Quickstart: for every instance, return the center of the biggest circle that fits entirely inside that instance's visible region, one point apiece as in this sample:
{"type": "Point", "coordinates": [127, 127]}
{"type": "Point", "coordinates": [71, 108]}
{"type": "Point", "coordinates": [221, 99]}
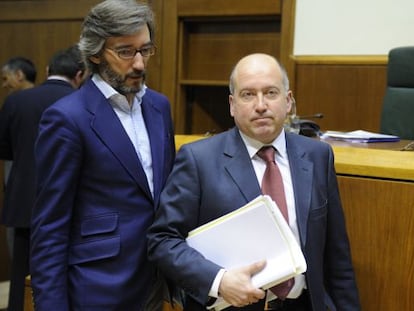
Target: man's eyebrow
{"type": "Point", "coordinates": [130, 45]}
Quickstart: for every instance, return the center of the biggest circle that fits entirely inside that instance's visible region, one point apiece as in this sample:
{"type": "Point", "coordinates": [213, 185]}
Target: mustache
{"type": "Point", "coordinates": [136, 74]}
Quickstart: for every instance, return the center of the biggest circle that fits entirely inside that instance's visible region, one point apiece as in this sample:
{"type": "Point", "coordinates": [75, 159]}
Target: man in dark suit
{"type": "Point", "coordinates": [103, 155]}
{"type": "Point", "coordinates": [18, 73]}
{"type": "Point", "coordinates": [19, 122]}
{"type": "Point", "coordinates": [217, 175]}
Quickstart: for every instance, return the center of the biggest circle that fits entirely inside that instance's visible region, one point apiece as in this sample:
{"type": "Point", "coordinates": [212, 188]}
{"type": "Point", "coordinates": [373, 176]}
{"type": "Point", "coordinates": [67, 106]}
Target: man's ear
{"type": "Point", "coordinates": [20, 76]}
{"type": "Point", "coordinates": [231, 105]}
{"type": "Point", "coordinates": [289, 100]}
{"type": "Point", "coordinates": [79, 79]}
{"type": "Point", "coordinates": [95, 59]}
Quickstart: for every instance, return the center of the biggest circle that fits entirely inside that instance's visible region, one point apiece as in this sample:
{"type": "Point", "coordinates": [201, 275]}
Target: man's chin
{"type": "Point", "coordinates": [265, 134]}
{"type": "Point", "coordinates": [135, 83]}
{"type": "Point", "coordinates": [130, 89]}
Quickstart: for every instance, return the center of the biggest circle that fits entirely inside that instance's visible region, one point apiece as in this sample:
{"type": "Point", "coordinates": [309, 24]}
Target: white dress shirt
{"type": "Point", "coordinates": [133, 122]}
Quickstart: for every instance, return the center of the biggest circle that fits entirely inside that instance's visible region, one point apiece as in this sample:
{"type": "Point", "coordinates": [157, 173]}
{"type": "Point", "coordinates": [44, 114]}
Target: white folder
{"type": "Point", "coordinates": [254, 232]}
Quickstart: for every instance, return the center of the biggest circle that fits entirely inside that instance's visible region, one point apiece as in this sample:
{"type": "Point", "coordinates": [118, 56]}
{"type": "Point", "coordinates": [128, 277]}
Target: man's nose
{"type": "Point", "coordinates": [138, 62]}
{"type": "Point", "coordinates": [260, 101]}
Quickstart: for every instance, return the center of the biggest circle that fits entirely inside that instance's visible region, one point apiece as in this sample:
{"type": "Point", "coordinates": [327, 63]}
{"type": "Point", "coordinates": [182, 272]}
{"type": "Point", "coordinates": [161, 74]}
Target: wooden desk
{"type": "Point", "coordinates": [376, 182]}
{"type": "Point", "coordinates": [380, 160]}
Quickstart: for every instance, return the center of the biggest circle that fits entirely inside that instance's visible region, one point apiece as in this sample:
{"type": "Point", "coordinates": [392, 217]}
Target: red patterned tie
{"type": "Point", "coordinates": [272, 185]}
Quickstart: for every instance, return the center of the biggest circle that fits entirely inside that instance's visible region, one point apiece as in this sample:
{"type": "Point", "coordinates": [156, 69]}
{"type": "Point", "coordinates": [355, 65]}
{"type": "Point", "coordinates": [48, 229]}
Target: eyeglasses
{"type": "Point", "coordinates": [129, 53]}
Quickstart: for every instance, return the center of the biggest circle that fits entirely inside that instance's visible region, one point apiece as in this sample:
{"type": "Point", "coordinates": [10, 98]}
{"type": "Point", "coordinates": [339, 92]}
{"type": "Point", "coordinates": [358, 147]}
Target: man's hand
{"type": "Point", "coordinates": [236, 286]}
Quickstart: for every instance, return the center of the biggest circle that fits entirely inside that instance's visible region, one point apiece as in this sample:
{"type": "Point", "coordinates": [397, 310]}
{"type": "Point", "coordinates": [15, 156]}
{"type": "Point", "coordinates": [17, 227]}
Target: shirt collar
{"type": "Point", "coordinates": [58, 77]}
{"type": "Point", "coordinates": [254, 145]}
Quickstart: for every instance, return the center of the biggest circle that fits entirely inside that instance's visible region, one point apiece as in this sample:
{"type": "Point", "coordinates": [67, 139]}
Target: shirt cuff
{"type": "Point", "coordinates": [215, 287]}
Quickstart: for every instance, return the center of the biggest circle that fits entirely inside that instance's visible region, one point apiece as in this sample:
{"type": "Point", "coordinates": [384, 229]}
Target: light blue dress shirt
{"type": "Point", "coordinates": [133, 123]}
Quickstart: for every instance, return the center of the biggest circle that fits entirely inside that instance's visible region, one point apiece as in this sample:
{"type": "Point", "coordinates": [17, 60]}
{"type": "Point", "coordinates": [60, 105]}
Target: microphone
{"type": "Point", "coordinates": [312, 116]}
{"type": "Point", "coordinates": [308, 127]}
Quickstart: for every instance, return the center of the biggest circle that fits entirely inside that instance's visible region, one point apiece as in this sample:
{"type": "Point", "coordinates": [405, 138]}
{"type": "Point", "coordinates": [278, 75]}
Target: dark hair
{"type": "Point", "coordinates": [25, 65]}
{"type": "Point", "coordinates": [66, 63]}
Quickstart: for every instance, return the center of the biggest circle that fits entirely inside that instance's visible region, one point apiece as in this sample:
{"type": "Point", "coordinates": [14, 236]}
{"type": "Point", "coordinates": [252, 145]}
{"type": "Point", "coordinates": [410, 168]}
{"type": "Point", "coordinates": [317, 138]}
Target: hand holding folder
{"type": "Point", "coordinates": [249, 234]}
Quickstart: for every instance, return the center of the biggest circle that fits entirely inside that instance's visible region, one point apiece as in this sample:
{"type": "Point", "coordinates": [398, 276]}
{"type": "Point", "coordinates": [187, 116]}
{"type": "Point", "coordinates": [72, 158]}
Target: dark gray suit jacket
{"type": "Point", "coordinates": [19, 123]}
{"type": "Point", "coordinates": [215, 176]}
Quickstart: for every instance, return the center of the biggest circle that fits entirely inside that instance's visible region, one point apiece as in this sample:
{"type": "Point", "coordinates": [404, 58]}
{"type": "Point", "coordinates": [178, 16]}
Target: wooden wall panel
{"type": "Point", "coordinates": [228, 7]}
{"type": "Point", "coordinates": [380, 223]}
{"type": "Point", "coordinates": [37, 29]}
{"type": "Point", "coordinates": [212, 37]}
{"type": "Point", "coordinates": [212, 56]}
{"type": "Point", "coordinates": [348, 94]}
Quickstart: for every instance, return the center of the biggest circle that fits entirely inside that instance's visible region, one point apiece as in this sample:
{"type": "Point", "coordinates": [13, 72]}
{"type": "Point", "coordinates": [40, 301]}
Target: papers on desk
{"type": "Point", "coordinates": [360, 136]}
{"type": "Point", "coordinates": [254, 232]}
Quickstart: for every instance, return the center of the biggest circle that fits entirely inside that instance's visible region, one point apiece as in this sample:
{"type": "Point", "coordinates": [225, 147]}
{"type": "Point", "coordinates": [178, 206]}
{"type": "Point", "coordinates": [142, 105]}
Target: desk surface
{"type": "Point", "coordinates": [377, 160]}
{"type": "Point", "coordinates": [380, 160]}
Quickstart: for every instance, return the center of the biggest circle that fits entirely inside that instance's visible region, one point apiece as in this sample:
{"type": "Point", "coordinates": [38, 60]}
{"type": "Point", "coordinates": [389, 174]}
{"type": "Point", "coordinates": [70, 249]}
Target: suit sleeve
{"type": "Point", "coordinates": [58, 158]}
{"type": "Point", "coordinates": [177, 215]}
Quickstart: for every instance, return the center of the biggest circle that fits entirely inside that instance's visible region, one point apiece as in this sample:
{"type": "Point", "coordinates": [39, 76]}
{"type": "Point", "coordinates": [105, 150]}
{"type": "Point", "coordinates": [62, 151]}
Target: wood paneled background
{"type": "Point", "coordinates": [198, 45]}
{"type": "Point", "coordinates": [348, 90]}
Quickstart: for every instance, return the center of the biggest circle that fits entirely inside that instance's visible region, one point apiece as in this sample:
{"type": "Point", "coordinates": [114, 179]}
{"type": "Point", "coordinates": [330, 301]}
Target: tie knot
{"type": "Point", "coordinates": [267, 153]}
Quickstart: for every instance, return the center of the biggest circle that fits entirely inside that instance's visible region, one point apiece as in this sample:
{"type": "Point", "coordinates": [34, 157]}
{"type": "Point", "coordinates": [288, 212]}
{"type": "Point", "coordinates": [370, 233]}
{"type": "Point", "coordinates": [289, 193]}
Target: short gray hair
{"type": "Point", "coordinates": [112, 18]}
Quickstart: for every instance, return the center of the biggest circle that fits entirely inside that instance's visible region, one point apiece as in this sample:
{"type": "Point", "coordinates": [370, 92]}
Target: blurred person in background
{"type": "Point", "coordinates": [19, 122]}
{"type": "Point", "coordinates": [18, 73]}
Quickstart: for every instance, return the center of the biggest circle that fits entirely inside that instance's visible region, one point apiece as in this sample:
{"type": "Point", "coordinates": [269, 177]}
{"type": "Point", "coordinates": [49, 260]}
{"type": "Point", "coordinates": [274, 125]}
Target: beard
{"type": "Point", "coordinates": [118, 82]}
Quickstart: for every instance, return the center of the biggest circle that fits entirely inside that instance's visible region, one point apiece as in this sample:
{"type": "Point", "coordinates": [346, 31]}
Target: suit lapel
{"type": "Point", "coordinates": [155, 128]}
{"type": "Point", "coordinates": [302, 177]}
{"type": "Point", "coordinates": [109, 129]}
{"type": "Point", "coordinates": [240, 167]}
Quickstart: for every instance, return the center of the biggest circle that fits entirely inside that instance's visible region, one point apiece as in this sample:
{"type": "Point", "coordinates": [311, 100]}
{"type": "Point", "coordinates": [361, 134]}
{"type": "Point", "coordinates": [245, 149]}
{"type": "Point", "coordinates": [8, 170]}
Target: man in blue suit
{"type": "Point", "coordinates": [103, 155]}
{"type": "Point", "coordinates": [217, 175]}
{"type": "Point", "coordinates": [19, 122]}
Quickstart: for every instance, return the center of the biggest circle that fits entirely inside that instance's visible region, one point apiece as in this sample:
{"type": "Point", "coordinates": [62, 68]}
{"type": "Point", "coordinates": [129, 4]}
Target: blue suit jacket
{"type": "Point", "coordinates": [215, 176]}
{"type": "Point", "coordinates": [93, 207]}
{"type": "Point", "coordinates": [19, 123]}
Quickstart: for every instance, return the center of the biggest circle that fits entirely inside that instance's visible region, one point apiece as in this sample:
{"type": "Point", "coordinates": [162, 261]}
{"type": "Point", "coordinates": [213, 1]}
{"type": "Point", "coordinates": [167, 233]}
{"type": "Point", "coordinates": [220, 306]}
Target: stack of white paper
{"type": "Point", "coordinates": [360, 136]}
{"type": "Point", "coordinates": [251, 233]}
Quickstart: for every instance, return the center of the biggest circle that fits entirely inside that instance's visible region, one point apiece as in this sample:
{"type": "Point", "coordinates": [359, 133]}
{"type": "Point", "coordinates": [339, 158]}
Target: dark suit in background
{"type": "Point", "coordinates": [18, 73]}
{"type": "Point", "coordinates": [19, 123]}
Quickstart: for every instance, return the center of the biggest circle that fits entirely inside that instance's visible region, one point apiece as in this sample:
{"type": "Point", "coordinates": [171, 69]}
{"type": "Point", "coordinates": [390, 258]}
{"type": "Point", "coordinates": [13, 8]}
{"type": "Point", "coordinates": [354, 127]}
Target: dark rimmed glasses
{"type": "Point", "coordinates": [129, 53]}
